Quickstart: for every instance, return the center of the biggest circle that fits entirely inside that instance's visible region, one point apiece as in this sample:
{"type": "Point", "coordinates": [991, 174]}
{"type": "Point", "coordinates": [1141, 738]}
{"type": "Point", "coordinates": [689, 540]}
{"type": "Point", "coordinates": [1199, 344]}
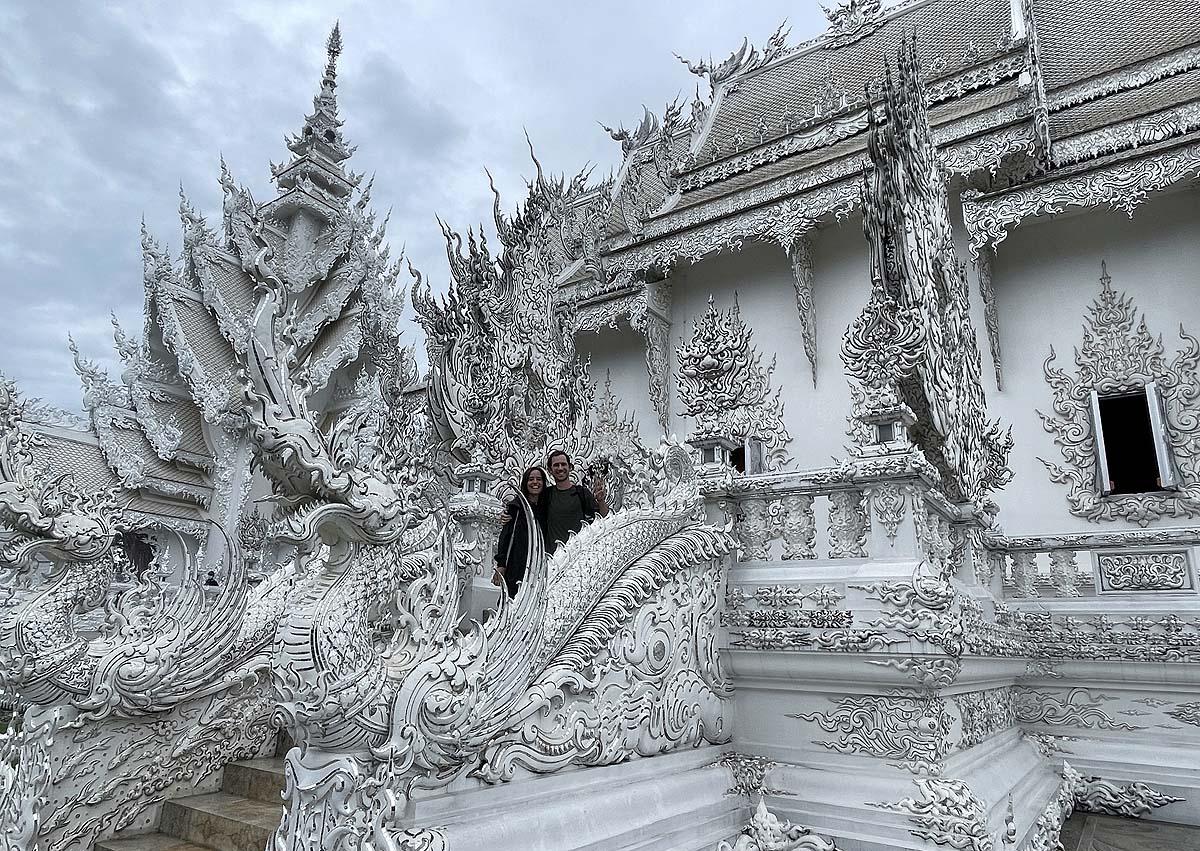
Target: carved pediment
{"type": "Point", "coordinates": [1119, 354]}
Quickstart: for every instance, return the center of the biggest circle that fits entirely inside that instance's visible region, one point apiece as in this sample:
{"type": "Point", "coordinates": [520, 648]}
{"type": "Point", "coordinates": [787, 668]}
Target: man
{"type": "Point", "coordinates": [569, 505]}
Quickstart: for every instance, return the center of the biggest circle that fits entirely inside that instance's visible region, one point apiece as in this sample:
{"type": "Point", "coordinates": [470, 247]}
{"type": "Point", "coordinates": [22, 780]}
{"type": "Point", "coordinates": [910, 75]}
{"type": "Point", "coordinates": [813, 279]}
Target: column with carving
{"type": "Point", "coordinates": [991, 317]}
{"type": "Point", "coordinates": [657, 332]}
{"type": "Point", "coordinates": [478, 514]}
{"type": "Point", "coordinates": [800, 256]}
{"type": "Point", "coordinates": [1025, 574]}
{"type": "Point", "coordinates": [1063, 573]}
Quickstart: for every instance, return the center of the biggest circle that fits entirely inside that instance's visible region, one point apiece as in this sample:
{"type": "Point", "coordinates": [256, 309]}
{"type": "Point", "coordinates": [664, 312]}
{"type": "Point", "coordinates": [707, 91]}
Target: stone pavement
{"type": "Point", "coordinates": [1086, 832]}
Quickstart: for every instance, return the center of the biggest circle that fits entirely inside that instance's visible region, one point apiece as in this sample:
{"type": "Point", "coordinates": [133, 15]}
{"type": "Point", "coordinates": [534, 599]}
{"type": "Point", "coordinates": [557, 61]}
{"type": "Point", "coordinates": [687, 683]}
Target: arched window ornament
{"type": "Point", "coordinates": [1127, 421]}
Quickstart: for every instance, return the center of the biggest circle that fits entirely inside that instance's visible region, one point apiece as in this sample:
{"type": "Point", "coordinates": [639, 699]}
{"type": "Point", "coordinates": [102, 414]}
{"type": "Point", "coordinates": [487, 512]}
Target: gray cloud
{"type": "Point", "coordinates": [110, 107]}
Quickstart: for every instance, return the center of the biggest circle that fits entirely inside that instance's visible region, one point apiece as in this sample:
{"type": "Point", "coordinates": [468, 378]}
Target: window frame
{"type": "Point", "coordinates": [1167, 480]}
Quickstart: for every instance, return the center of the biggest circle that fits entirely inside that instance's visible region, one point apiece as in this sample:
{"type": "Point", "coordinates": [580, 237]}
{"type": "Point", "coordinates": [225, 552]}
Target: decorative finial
{"type": "Point", "coordinates": [1105, 279]}
{"type": "Point", "coordinates": [333, 49]}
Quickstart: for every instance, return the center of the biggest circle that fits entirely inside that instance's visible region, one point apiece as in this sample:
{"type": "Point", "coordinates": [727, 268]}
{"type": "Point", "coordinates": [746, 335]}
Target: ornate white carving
{"type": "Point", "coordinates": [1064, 573]}
{"type": "Point", "coordinates": [932, 674]}
{"type": "Point", "coordinates": [913, 732]}
{"type": "Point", "coordinates": [1121, 186]}
{"type": "Point", "coordinates": [723, 385]}
{"type": "Point", "coordinates": [797, 526]}
{"type": "Point", "coordinates": [1078, 707]}
{"type": "Point", "coordinates": [984, 713]}
{"type": "Point", "coordinates": [1134, 133]}
{"type": "Point", "coordinates": [1123, 79]}
{"type": "Point", "coordinates": [888, 507]}
{"type": "Point", "coordinates": [1133, 800]}
{"type": "Point", "coordinates": [1144, 571]}
{"type": "Point", "coordinates": [915, 340]}
{"type": "Point", "coordinates": [1119, 354]}
{"type": "Point", "coordinates": [1188, 713]}
{"type": "Point", "coordinates": [851, 21]}
{"type": "Point", "coordinates": [749, 774]}
{"type": "Point", "coordinates": [946, 813]}
{"type": "Point", "coordinates": [499, 378]}
{"type": "Point", "coordinates": [765, 832]}
{"type": "Point", "coordinates": [800, 255]}
{"type": "Point", "coordinates": [991, 315]}
{"type": "Point", "coordinates": [848, 524]}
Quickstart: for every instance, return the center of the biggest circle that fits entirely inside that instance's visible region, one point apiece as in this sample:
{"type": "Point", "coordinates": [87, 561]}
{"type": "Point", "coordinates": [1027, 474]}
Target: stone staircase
{"type": "Point", "coordinates": [241, 817]}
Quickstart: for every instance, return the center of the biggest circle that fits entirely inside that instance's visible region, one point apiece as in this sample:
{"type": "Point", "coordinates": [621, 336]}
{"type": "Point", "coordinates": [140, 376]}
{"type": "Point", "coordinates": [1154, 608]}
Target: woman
{"type": "Point", "coordinates": [512, 547]}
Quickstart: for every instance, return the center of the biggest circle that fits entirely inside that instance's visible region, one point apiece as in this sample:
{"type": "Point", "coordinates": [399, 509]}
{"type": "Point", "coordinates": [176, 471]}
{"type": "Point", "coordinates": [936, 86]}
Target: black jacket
{"type": "Point", "coordinates": [512, 547]}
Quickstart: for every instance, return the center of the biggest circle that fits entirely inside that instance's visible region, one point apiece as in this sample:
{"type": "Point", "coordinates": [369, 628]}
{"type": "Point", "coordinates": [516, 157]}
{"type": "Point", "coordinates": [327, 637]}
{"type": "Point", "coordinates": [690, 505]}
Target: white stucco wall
{"type": "Point", "coordinates": [762, 278]}
{"type": "Point", "coordinates": [621, 353]}
{"type": "Point", "coordinates": [1046, 274]}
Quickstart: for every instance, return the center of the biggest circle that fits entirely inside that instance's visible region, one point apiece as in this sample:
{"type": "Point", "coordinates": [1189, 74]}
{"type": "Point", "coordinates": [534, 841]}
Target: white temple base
{"type": "Point", "coordinates": [675, 802]}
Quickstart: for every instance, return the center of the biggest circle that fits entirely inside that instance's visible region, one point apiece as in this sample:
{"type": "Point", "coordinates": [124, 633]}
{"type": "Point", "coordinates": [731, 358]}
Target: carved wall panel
{"type": "Point", "coordinates": [1121, 186]}
{"type": "Point", "coordinates": [724, 386]}
{"type": "Point", "coordinates": [1119, 354]}
{"type": "Point", "coordinates": [1145, 571]}
{"type": "Point", "coordinates": [800, 255]}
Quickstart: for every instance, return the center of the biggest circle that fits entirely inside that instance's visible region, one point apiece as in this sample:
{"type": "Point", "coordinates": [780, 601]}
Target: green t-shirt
{"type": "Point", "coordinates": [564, 515]}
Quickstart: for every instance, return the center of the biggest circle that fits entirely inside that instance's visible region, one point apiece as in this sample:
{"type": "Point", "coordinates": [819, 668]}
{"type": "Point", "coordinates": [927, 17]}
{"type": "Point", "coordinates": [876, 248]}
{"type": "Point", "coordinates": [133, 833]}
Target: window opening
{"type": "Point", "coordinates": [1133, 454]}
{"type": "Point", "coordinates": [738, 459]}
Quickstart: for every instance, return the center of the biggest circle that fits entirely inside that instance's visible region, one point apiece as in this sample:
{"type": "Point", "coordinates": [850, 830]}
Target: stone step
{"type": "Point", "coordinates": [149, 842]}
{"type": "Point", "coordinates": [698, 831]}
{"type": "Point", "coordinates": [256, 779]}
{"type": "Point", "coordinates": [221, 821]}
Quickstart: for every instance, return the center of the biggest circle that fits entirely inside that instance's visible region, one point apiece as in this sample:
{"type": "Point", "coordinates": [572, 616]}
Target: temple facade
{"type": "Point", "coordinates": [885, 348]}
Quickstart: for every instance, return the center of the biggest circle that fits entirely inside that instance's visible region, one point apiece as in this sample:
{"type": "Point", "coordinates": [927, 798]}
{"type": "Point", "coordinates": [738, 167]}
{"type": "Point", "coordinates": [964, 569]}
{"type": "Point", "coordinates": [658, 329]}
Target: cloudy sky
{"type": "Point", "coordinates": [109, 106]}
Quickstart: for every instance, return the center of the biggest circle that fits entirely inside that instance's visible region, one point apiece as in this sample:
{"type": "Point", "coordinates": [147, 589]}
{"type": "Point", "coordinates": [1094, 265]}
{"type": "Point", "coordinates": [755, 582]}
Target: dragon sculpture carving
{"type": "Point", "coordinates": [186, 662]}
{"type": "Point", "coordinates": [283, 329]}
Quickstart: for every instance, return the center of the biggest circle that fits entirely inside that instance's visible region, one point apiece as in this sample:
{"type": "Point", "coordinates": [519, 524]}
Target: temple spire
{"type": "Point", "coordinates": [319, 149]}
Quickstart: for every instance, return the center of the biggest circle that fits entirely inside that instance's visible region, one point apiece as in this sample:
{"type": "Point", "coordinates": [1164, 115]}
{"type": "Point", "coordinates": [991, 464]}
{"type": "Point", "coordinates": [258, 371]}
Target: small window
{"type": "Point", "coordinates": [1131, 445]}
{"type": "Point", "coordinates": [738, 459]}
{"type": "Point", "coordinates": [885, 432]}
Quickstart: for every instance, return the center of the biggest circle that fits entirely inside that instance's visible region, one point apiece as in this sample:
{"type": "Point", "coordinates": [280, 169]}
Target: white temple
{"type": "Point", "coordinates": [905, 530]}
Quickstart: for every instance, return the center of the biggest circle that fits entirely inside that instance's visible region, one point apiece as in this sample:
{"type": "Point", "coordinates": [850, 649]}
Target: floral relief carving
{"type": "Point", "coordinates": [1119, 354]}
{"type": "Point", "coordinates": [724, 386]}
{"type": "Point", "coordinates": [765, 832]}
{"type": "Point", "coordinates": [887, 506]}
{"type": "Point", "coordinates": [985, 713]}
{"type": "Point", "coordinates": [848, 524]}
{"type": "Point", "coordinates": [749, 774]}
{"type": "Point", "coordinates": [797, 526]}
{"type": "Point", "coordinates": [947, 813]}
{"type": "Point", "coordinates": [1144, 571]}
{"type": "Point", "coordinates": [1123, 186]}
{"type": "Point", "coordinates": [753, 528]}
